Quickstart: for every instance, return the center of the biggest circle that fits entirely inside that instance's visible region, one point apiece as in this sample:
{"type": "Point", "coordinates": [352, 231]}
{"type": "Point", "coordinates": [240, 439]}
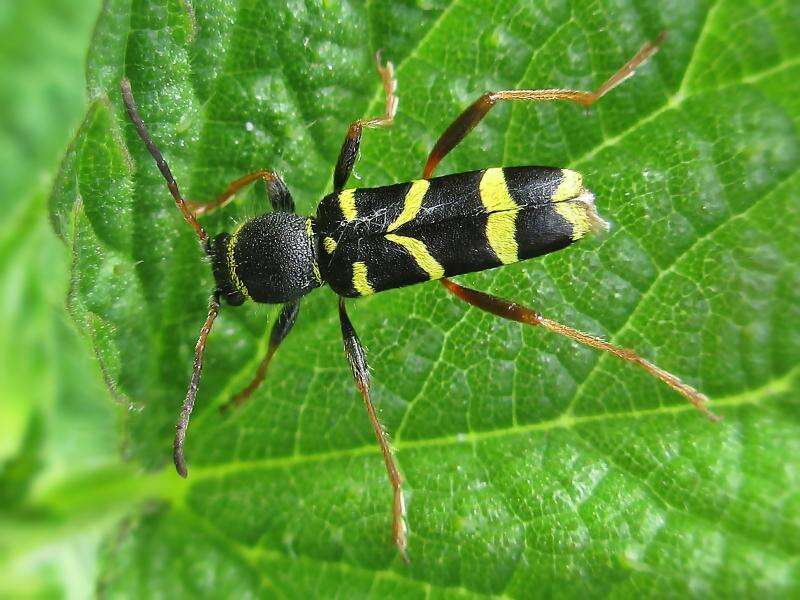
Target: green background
{"type": "Point", "coordinates": [533, 467]}
{"type": "Point", "coordinates": [57, 425]}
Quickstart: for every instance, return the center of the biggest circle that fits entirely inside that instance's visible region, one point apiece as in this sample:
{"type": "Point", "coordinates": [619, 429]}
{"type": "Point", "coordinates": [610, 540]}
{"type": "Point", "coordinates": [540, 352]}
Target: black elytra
{"type": "Point", "coordinates": [368, 240]}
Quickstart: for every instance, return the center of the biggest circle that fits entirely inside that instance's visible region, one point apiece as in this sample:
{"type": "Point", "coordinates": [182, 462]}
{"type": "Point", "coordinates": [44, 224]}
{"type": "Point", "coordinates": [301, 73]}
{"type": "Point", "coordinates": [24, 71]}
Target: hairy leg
{"type": "Point", "coordinates": [358, 365]}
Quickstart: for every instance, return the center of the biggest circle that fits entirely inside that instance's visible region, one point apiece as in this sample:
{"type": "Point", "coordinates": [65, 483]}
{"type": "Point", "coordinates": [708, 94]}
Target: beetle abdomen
{"type": "Point", "coordinates": [375, 239]}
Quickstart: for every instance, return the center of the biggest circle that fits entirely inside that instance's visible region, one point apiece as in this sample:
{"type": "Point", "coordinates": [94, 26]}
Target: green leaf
{"type": "Point", "coordinates": [532, 466]}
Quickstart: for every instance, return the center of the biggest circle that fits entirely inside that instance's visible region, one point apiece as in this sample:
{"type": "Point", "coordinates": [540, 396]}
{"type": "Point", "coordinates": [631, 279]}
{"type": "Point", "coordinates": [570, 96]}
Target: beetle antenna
{"type": "Point", "coordinates": [191, 393]}
{"type": "Point", "coordinates": [133, 113]}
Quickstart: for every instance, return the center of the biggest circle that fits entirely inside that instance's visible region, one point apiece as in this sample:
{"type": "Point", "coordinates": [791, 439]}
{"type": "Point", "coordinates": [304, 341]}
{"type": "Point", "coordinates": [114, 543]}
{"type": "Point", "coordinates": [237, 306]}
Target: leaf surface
{"type": "Point", "coordinates": [527, 459]}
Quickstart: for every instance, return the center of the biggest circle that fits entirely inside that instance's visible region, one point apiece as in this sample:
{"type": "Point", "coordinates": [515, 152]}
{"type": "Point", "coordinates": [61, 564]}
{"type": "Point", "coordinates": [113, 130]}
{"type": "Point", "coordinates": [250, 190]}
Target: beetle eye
{"type": "Point", "coordinates": [234, 299]}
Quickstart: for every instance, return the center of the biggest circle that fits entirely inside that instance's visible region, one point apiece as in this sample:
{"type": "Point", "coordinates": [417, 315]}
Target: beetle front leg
{"type": "Point", "coordinates": [280, 329]}
{"type": "Point", "coordinates": [279, 197]}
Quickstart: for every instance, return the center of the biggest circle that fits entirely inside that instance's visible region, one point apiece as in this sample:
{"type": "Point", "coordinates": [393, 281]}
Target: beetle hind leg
{"type": "Point", "coordinates": [514, 312]}
{"type": "Point", "coordinates": [476, 111]}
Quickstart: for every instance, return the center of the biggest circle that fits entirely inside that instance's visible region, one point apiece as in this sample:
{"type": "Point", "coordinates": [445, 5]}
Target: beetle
{"type": "Point", "coordinates": [368, 240]}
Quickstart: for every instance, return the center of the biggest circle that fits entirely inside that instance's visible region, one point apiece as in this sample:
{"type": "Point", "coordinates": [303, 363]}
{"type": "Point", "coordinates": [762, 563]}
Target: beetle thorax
{"type": "Point", "coordinates": [270, 259]}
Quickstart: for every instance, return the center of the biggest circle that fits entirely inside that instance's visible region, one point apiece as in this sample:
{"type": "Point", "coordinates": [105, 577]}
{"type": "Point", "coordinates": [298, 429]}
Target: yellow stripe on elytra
{"type": "Point", "coordinates": [411, 203]}
{"type": "Point", "coordinates": [577, 215]}
{"type": "Point", "coordinates": [237, 283]}
{"type": "Point", "coordinates": [360, 281]}
{"type": "Point", "coordinates": [501, 227]}
{"type": "Point", "coordinates": [571, 186]}
{"type": "Point", "coordinates": [419, 252]}
{"type": "Point", "coordinates": [494, 192]}
{"type": "Point", "coordinates": [329, 244]}
{"type": "Point", "coordinates": [347, 202]}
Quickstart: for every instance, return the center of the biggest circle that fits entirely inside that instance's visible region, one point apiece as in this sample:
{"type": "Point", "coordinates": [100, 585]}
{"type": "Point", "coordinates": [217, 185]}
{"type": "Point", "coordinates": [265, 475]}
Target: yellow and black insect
{"type": "Point", "coordinates": [368, 240]}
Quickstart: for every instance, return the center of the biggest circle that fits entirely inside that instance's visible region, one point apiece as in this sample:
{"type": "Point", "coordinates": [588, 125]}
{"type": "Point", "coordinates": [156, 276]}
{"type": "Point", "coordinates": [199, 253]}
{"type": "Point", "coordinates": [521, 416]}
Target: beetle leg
{"type": "Point", "coordinates": [475, 112]}
{"type": "Point", "coordinates": [278, 193]}
{"type": "Point", "coordinates": [358, 365]}
{"type": "Point", "coordinates": [280, 329]}
{"type": "Point", "coordinates": [514, 312]}
{"type": "Point", "coordinates": [352, 142]}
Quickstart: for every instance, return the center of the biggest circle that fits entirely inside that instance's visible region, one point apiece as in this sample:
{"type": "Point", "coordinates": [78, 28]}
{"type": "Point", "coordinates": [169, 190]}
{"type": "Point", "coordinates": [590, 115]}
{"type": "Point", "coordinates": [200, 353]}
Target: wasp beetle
{"type": "Point", "coordinates": [368, 240]}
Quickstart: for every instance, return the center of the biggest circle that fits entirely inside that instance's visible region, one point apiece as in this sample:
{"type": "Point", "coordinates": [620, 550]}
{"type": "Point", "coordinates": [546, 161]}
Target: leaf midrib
{"type": "Point", "coordinates": [164, 485]}
{"type": "Point", "coordinates": [753, 396]}
{"type": "Point", "coordinates": [250, 554]}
